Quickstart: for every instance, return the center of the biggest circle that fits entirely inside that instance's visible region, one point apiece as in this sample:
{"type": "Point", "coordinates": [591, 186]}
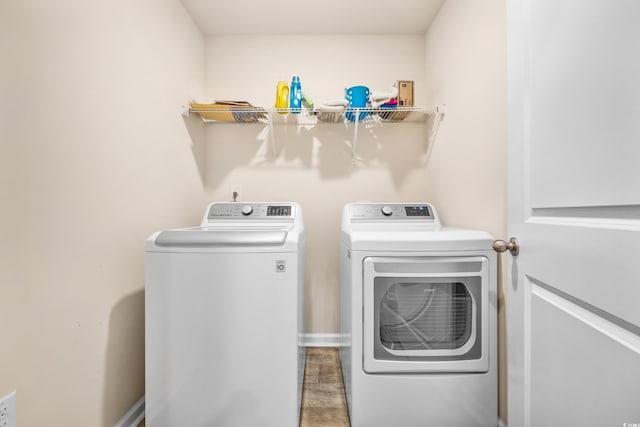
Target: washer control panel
{"type": "Point", "coordinates": [251, 210]}
{"type": "Point", "coordinates": [365, 211]}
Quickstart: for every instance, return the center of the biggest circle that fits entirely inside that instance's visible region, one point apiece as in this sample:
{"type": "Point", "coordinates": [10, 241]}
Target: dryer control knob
{"type": "Point", "coordinates": [247, 210]}
{"type": "Point", "coordinates": [386, 211]}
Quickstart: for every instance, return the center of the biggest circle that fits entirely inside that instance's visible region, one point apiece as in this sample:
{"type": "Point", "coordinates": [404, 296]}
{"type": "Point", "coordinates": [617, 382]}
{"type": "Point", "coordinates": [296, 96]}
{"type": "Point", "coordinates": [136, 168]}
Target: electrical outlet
{"type": "Point", "coordinates": [8, 410]}
{"type": "Point", "coordinates": [236, 195]}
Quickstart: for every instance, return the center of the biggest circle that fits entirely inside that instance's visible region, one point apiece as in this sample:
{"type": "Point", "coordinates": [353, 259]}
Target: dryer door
{"type": "Point", "coordinates": [426, 314]}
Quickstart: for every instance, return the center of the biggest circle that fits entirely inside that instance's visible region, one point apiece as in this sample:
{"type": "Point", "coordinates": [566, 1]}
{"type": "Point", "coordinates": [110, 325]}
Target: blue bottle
{"type": "Point", "coordinates": [295, 95]}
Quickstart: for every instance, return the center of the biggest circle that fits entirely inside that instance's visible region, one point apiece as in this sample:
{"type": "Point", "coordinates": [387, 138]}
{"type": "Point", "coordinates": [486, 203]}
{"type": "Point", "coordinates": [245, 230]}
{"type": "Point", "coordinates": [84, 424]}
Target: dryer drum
{"type": "Point", "coordinates": [425, 316]}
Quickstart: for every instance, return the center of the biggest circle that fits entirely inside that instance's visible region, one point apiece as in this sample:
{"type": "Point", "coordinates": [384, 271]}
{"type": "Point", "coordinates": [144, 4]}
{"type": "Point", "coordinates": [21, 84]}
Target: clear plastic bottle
{"type": "Point", "coordinates": [295, 95]}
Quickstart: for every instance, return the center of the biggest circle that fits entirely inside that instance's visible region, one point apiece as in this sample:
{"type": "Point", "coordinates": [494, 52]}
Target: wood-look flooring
{"type": "Point", "coordinates": [323, 398]}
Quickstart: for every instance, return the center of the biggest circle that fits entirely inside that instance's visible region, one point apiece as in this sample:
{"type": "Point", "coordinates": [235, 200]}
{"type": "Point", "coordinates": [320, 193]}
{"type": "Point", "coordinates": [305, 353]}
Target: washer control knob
{"type": "Point", "coordinates": [386, 211]}
{"type": "Point", "coordinates": [247, 210]}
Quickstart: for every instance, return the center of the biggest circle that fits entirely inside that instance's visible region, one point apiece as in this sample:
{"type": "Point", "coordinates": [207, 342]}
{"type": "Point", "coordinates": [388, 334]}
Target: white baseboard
{"type": "Point", "coordinates": [501, 423]}
{"type": "Point", "coordinates": [321, 340]}
{"type": "Point", "coordinates": [134, 416]}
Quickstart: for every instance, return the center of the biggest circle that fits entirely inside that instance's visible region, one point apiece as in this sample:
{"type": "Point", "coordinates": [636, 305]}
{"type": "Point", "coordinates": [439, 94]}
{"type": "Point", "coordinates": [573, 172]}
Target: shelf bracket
{"type": "Point", "coordinates": [354, 146]}
{"type": "Point", "coordinates": [272, 135]}
{"type": "Point", "coordinates": [433, 133]}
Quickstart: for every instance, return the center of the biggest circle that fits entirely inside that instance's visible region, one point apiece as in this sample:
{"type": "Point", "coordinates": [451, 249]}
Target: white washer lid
{"type": "Point", "coordinates": [223, 236]}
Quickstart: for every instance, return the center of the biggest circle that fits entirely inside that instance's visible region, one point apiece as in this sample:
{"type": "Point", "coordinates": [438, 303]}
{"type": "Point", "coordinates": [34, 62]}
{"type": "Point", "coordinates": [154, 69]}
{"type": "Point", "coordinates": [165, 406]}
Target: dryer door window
{"type": "Point", "coordinates": [419, 317]}
{"type": "Point", "coordinates": [425, 314]}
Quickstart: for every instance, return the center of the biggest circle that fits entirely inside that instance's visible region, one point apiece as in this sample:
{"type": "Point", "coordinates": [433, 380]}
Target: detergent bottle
{"type": "Point", "coordinates": [295, 95]}
{"type": "Point", "coordinates": [282, 97]}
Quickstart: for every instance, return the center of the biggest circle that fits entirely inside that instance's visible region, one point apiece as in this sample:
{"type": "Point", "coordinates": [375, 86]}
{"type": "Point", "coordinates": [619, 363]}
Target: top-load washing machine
{"type": "Point", "coordinates": [418, 319]}
{"type": "Point", "coordinates": [223, 319]}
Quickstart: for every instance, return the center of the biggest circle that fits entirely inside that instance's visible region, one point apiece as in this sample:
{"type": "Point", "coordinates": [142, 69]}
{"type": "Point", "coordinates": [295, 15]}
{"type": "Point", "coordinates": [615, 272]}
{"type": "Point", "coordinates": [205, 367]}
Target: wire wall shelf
{"type": "Point", "coordinates": [355, 117]}
{"type": "Point", "coordinates": [306, 117]}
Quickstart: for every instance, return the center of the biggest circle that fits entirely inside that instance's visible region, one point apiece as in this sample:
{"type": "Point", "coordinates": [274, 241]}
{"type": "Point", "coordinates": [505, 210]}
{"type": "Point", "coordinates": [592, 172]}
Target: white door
{"type": "Point", "coordinates": [573, 299]}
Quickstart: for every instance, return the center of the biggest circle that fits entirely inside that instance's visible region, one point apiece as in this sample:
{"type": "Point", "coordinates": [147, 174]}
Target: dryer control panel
{"type": "Point", "coordinates": [281, 211]}
{"type": "Point", "coordinates": [396, 211]}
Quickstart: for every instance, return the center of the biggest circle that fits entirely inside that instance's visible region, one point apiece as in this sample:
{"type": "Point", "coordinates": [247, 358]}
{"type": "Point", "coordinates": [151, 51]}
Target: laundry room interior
{"type": "Point", "coordinates": [98, 153]}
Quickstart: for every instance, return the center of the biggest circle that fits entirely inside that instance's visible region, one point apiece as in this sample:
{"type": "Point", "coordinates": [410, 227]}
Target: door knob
{"type": "Point", "coordinates": [512, 245]}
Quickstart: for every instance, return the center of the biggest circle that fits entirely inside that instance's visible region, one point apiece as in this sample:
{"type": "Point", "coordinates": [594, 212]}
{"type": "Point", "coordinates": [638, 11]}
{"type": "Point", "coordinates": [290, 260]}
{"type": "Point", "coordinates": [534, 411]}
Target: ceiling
{"type": "Point", "coordinates": [217, 17]}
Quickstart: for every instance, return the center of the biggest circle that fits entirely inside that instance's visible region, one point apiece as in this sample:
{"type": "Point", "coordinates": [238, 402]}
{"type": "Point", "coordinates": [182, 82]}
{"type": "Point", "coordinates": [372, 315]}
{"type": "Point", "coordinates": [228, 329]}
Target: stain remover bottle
{"type": "Point", "coordinates": [295, 95]}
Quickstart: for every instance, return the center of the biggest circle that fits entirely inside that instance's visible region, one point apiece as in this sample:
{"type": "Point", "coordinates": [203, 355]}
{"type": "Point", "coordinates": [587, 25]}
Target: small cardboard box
{"type": "Point", "coordinates": [405, 93]}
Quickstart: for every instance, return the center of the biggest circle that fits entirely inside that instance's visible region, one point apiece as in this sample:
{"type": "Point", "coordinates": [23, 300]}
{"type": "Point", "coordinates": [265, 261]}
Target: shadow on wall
{"type": "Point", "coordinates": [398, 148]}
{"type": "Point", "coordinates": [124, 358]}
{"type": "Point", "coordinates": [221, 148]}
{"type": "Point", "coordinates": [195, 128]}
{"type": "Point", "coordinates": [229, 146]}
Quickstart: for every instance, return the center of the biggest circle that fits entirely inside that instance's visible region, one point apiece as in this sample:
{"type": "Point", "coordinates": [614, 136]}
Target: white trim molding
{"type": "Point", "coordinates": [134, 416]}
{"type": "Point", "coordinates": [321, 340]}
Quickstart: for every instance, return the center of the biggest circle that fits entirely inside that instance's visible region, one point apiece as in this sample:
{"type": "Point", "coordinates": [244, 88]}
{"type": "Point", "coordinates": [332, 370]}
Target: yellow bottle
{"type": "Point", "coordinates": [282, 96]}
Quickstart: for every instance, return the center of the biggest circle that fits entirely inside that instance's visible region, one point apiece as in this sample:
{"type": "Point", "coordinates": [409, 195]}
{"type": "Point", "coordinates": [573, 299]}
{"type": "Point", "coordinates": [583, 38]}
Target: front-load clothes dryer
{"type": "Point", "coordinates": [223, 319]}
{"type": "Point", "coordinates": [418, 319]}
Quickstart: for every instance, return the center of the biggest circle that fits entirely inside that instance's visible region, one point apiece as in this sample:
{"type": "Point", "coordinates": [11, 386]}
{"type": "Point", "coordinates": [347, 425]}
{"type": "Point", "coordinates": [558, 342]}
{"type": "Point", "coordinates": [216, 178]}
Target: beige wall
{"type": "Point", "coordinates": [93, 157]}
{"type": "Point", "coordinates": [466, 179]}
{"type": "Point", "coordinates": [315, 167]}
